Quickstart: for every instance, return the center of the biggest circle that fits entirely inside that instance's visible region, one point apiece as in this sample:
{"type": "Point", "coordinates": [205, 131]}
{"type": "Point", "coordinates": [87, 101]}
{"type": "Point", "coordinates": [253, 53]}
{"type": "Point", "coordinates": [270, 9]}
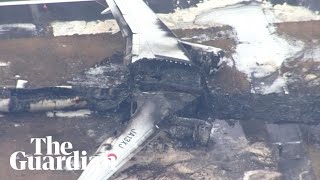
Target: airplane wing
{"type": "Point", "coordinates": [146, 35]}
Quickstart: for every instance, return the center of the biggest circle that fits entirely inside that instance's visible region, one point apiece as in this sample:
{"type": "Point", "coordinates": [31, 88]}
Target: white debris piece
{"type": "Point", "coordinates": [277, 86]}
{"type": "Point", "coordinates": [65, 87]}
{"type": "Point", "coordinates": [4, 64]}
{"type": "Point", "coordinates": [91, 133]}
{"type": "Point", "coordinates": [21, 84]}
{"type": "Point", "coordinates": [26, 27]}
{"type": "Point", "coordinates": [70, 114]}
{"type": "Point", "coordinates": [310, 77]}
{"type": "Point", "coordinates": [16, 125]}
{"type": "Point", "coordinates": [83, 28]}
{"type": "Point", "coordinates": [4, 105]}
{"type": "Point", "coordinates": [262, 174]}
{"type": "Point", "coordinates": [96, 70]}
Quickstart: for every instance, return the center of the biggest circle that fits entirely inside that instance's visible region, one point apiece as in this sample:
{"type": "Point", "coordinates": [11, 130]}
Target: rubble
{"type": "Point", "coordinates": [262, 174]}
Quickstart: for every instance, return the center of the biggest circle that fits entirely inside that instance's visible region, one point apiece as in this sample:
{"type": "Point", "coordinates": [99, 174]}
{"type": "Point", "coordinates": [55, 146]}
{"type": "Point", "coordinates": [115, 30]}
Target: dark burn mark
{"type": "Point", "coordinates": [20, 99]}
{"type": "Point", "coordinates": [157, 75]}
{"type": "Point", "coordinates": [107, 146]}
{"type": "Point", "coordinates": [97, 99]}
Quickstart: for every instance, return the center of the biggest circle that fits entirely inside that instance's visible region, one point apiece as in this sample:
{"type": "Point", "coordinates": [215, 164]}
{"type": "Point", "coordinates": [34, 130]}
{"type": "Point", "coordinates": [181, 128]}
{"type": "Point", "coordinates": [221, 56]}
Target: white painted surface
{"type": "Point", "coordinates": [102, 168]}
{"type": "Point", "coordinates": [150, 37]}
{"type": "Point", "coordinates": [204, 48]}
{"type": "Point", "coordinates": [65, 87]}
{"type": "Point", "coordinates": [70, 114]}
{"type": "Point", "coordinates": [4, 105]}
{"type": "Point", "coordinates": [21, 84]}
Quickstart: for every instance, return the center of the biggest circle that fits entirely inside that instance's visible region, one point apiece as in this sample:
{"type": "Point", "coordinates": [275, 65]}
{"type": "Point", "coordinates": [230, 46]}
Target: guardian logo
{"type": "Point", "coordinates": [56, 156]}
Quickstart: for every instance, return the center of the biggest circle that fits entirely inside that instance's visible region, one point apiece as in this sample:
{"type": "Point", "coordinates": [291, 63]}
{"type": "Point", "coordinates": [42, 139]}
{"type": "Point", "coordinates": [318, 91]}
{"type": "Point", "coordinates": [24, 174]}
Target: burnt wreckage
{"type": "Point", "coordinates": [162, 83]}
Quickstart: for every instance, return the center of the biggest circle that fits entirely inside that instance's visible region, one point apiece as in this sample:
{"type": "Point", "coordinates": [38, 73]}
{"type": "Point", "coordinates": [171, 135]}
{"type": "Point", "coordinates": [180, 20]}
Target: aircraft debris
{"type": "Point", "coordinates": [21, 83]}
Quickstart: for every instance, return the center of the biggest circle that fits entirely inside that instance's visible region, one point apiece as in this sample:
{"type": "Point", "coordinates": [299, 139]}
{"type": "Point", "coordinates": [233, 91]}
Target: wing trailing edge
{"type": "Point", "coordinates": [146, 35]}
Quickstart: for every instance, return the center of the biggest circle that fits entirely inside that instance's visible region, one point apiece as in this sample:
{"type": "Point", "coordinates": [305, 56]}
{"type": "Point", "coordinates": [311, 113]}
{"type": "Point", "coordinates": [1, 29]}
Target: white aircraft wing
{"type": "Point", "coordinates": [146, 35]}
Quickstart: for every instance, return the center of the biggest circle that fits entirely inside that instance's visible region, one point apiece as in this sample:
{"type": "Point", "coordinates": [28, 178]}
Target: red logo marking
{"type": "Point", "coordinates": [112, 155]}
